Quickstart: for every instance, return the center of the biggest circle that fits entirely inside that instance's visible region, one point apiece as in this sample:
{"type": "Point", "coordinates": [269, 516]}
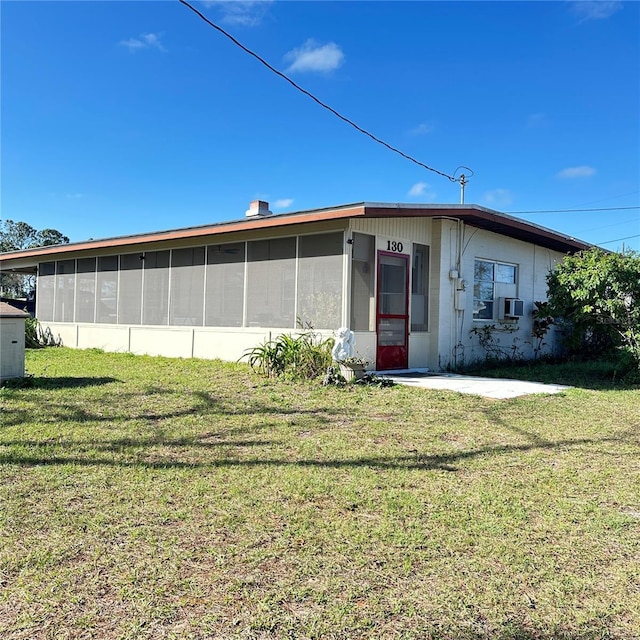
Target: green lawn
{"type": "Point", "coordinates": [158, 498]}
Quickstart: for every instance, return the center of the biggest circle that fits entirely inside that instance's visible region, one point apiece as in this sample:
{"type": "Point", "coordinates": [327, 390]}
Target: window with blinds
{"type": "Point", "coordinates": [224, 296]}
{"type": "Point", "coordinates": [187, 287]}
{"type": "Point", "coordinates": [46, 290]}
{"type": "Point", "coordinates": [320, 280]}
{"type": "Point", "coordinates": [86, 290]}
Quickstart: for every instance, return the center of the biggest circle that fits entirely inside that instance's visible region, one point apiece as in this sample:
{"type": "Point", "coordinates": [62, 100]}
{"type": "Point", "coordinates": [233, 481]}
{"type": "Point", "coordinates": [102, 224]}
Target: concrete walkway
{"type": "Point", "coordinates": [497, 388]}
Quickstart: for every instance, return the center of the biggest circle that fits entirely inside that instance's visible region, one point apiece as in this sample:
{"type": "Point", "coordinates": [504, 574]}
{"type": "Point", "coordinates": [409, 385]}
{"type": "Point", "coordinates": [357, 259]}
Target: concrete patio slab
{"type": "Point", "coordinates": [496, 388]}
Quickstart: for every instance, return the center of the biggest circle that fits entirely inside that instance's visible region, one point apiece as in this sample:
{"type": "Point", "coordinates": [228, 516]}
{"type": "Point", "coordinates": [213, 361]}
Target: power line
{"type": "Point", "coordinates": [572, 210]}
{"type": "Point", "coordinates": [318, 101]}
{"type": "Point", "coordinates": [620, 239]}
{"type": "Point", "coordinates": [622, 195]}
{"type": "Point", "coordinates": [606, 226]}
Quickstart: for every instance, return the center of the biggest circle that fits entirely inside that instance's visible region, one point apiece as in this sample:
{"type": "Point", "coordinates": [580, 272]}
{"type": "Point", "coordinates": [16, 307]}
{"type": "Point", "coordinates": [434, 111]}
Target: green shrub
{"type": "Point", "coordinates": [305, 356]}
{"type": "Point", "coordinates": [596, 294]}
{"type": "Point", "coordinates": [35, 337]}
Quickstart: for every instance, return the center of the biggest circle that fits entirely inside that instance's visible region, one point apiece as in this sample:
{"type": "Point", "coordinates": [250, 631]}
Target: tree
{"type": "Point", "coordinates": [598, 294]}
{"type": "Point", "coordinates": [20, 235]}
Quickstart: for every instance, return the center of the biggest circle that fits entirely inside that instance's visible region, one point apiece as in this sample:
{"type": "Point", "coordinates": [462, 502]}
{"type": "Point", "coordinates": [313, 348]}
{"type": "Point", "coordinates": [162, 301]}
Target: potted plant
{"type": "Point", "coordinates": [353, 368]}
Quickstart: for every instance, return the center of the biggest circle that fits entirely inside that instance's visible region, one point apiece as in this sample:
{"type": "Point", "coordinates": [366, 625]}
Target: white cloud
{"type": "Point", "coordinates": [312, 56]}
{"type": "Point", "coordinates": [283, 203]}
{"type": "Point", "coordinates": [498, 197]}
{"type": "Point", "coordinates": [421, 130]}
{"type": "Point", "coordinates": [75, 196]}
{"type": "Point", "coordinates": [423, 190]}
{"type": "Point", "coordinates": [576, 172]}
{"type": "Point", "coordinates": [595, 9]}
{"type": "Point", "coordinates": [145, 41]}
{"type": "Point", "coordinates": [247, 13]}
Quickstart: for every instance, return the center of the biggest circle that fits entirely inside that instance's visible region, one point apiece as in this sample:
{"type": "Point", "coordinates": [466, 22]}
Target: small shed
{"type": "Point", "coordinates": [11, 341]}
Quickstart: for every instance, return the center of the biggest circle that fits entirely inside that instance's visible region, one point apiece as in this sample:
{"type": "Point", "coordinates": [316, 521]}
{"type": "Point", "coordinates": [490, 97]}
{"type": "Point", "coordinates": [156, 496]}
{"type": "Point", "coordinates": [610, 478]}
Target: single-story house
{"type": "Point", "coordinates": [411, 281]}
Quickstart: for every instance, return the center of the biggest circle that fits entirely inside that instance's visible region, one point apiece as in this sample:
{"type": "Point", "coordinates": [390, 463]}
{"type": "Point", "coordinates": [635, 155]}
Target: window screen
{"type": "Point", "coordinates": [224, 296]}
{"type": "Point", "coordinates": [107, 289]}
{"type": "Point", "coordinates": [86, 290]}
{"type": "Point", "coordinates": [362, 283]}
{"type": "Point", "coordinates": [155, 305]}
{"type": "Point", "coordinates": [187, 286]}
{"type": "Point", "coordinates": [65, 290]}
{"type": "Point", "coordinates": [392, 287]}
{"type": "Point", "coordinates": [130, 289]}
{"type": "Point", "coordinates": [271, 283]}
{"type": "Point", "coordinates": [420, 288]}
{"type": "Point", "coordinates": [320, 280]}
{"type": "Point", "coordinates": [45, 291]}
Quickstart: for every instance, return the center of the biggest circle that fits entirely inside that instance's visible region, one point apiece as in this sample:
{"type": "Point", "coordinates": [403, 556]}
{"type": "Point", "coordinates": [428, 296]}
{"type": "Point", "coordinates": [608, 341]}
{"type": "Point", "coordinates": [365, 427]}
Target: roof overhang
{"type": "Point", "coordinates": [476, 216]}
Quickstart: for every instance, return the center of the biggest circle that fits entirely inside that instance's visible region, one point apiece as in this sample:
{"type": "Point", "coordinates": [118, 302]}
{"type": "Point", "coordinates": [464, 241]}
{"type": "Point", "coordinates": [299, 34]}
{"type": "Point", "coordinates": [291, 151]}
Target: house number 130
{"type": "Point", "coordinates": [392, 245]}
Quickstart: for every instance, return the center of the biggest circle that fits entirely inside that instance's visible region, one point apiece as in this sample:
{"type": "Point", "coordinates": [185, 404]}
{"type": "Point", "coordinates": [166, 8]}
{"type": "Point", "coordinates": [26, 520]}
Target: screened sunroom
{"type": "Point", "coordinates": [277, 282]}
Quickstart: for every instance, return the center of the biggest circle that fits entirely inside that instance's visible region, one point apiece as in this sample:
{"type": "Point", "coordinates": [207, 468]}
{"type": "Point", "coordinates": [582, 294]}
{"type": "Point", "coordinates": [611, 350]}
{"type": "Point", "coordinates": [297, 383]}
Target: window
{"type": "Point", "coordinates": [271, 278]}
{"type": "Point", "coordinates": [65, 290]}
{"type": "Point", "coordinates": [488, 278]}
{"type": "Point", "coordinates": [224, 298]}
{"type": "Point", "coordinates": [107, 289]}
{"type": "Point", "coordinates": [86, 290]}
{"type": "Point", "coordinates": [362, 282]}
{"type": "Point", "coordinates": [130, 289]}
{"type": "Point", "coordinates": [320, 280]}
{"type": "Point", "coordinates": [420, 288]}
{"type": "Point", "coordinates": [46, 290]}
{"type": "Point", "coordinates": [155, 294]}
{"type": "Point", "coordinates": [187, 287]}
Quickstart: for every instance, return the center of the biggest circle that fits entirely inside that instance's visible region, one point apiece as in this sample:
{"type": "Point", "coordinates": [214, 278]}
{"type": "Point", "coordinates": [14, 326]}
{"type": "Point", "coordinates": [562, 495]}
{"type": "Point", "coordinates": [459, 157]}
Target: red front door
{"type": "Point", "coordinates": [392, 316]}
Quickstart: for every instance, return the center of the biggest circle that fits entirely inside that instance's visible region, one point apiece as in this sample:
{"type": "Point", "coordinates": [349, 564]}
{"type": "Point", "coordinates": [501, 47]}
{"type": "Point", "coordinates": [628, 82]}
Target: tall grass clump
{"type": "Point", "coordinates": [302, 357]}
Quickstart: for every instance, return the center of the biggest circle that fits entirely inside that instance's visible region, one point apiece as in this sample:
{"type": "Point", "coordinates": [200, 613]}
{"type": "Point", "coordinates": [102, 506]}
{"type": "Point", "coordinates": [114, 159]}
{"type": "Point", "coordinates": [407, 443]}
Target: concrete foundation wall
{"type": "Point", "coordinates": [172, 342]}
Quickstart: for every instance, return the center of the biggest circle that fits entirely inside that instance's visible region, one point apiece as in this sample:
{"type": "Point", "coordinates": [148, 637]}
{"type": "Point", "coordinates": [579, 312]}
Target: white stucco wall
{"type": "Point", "coordinates": [457, 346]}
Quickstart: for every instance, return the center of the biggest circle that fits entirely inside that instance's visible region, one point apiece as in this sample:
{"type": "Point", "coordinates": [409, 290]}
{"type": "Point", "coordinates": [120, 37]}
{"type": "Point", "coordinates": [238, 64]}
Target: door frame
{"type": "Point", "coordinates": [385, 354]}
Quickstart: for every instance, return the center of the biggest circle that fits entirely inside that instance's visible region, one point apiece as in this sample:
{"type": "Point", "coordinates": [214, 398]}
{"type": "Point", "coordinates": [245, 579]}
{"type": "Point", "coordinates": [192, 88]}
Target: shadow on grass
{"type": "Point", "coordinates": [513, 631]}
{"type": "Point", "coordinates": [595, 375]}
{"type": "Point", "coordinates": [64, 382]}
{"type": "Point", "coordinates": [417, 461]}
{"type": "Point", "coordinates": [116, 408]}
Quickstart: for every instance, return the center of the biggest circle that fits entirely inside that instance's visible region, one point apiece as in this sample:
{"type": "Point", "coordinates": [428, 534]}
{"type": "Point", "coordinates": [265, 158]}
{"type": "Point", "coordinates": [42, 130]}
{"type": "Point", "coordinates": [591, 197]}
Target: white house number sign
{"type": "Point", "coordinates": [395, 246]}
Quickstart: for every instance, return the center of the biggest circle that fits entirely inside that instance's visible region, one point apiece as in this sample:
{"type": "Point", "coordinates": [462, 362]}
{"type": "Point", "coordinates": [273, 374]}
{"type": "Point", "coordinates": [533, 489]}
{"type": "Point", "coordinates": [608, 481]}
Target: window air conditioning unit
{"type": "Point", "coordinates": [510, 308]}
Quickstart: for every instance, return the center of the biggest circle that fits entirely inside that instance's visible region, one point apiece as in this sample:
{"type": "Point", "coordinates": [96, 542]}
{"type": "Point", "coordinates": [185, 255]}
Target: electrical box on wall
{"type": "Point", "coordinates": [510, 308]}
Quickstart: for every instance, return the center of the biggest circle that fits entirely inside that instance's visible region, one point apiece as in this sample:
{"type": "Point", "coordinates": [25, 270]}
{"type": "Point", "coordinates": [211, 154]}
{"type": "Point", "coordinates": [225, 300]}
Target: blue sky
{"type": "Point", "coordinates": [126, 117]}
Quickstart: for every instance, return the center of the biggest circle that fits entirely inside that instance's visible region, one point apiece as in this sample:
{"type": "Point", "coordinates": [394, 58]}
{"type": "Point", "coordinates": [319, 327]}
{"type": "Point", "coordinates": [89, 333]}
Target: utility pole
{"type": "Point", "coordinates": [463, 181]}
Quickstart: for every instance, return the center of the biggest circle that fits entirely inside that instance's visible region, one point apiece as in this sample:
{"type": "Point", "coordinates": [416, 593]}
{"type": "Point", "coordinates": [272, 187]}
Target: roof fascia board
{"type": "Point", "coordinates": [473, 215]}
{"type": "Point", "coordinates": [319, 215]}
